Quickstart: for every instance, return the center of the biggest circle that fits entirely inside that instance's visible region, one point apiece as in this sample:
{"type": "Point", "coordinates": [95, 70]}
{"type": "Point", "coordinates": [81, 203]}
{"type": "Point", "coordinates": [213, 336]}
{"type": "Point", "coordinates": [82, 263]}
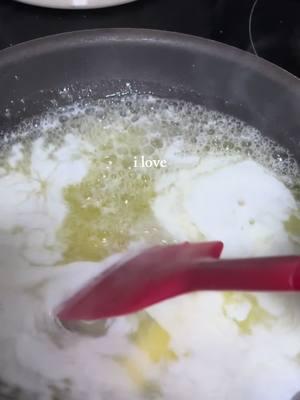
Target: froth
{"type": "Point", "coordinates": [74, 195]}
{"type": "Point", "coordinates": [202, 130]}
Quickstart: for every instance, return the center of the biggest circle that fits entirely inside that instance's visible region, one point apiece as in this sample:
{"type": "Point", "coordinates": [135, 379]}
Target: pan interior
{"type": "Point", "coordinates": [77, 200]}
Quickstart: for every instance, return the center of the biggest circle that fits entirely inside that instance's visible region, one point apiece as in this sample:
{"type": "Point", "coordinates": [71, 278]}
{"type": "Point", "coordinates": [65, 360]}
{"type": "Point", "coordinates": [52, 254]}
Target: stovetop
{"type": "Point", "coordinates": [268, 28]}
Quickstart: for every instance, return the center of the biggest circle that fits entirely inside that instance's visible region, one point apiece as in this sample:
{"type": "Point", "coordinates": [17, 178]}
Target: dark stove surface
{"type": "Point", "coordinates": [274, 29]}
{"type": "Point", "coordinates": [269, 28]}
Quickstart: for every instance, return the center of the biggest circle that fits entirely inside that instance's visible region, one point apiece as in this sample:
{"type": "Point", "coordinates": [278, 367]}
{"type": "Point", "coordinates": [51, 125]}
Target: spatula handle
{"type": "Point", "coordinates": [254, 274]}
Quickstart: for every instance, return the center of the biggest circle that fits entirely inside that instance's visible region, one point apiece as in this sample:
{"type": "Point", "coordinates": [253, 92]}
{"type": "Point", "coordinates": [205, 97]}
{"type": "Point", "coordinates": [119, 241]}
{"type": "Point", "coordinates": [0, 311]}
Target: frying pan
{"type": "Point", "coordinates": [58, 70]}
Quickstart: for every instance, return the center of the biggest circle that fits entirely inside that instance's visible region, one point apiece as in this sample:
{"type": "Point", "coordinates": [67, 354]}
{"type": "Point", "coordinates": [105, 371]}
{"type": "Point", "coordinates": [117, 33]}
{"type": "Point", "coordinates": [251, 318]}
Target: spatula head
{"type": "Point", "coordinates": [133, 284]}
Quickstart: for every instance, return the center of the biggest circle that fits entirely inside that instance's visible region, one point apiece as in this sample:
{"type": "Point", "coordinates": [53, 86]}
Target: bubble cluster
{"type": "Point", "coordinates": [203, 130]}
{"type": "Point", "coordinates": [111, 207]}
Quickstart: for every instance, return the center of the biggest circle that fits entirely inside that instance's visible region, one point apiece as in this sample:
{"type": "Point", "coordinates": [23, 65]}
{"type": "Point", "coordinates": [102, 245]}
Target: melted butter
{"type": "Point", "coordinates": [148, 388]}
{"type": "Point", "coordinates": [107, 210]}
{"type": "Point", "coordinates": [110, 207]}
{"type": "Point", "coordinates": [257, 315]}
{"type": "Point", "coordinates": [292, 225]}
{"type": "Point", "coordinates": [133, 370]}
{"type": "Point", "coordinates": [152, 339]}
{"type": "Point", "coordinates": [154, 342]}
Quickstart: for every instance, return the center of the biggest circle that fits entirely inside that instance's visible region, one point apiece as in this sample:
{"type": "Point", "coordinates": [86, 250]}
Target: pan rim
{"type": "Point", "coordinates": [196, 44]}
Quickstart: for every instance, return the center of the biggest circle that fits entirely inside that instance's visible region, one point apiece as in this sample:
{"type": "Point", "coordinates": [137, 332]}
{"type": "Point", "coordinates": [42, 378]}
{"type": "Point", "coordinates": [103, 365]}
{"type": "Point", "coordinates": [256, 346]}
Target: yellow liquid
{"type": "Point", "coordinates": [257, 315]}
{"type": "Point", "coordinates": [111, 206]}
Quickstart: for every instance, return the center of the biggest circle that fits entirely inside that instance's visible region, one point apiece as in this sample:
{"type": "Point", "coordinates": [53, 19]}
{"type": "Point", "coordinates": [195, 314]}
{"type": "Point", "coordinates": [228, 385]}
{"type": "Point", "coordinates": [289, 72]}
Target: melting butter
{"type": "Point", "coordinates": [254, 314]}
{"type": "Point", "coordinates": [152, 339]}
{"type": "Point", "coordinates": [75, 196]}
{"type": "Point", "coordinates": [145, 386]}
{"type": "Point", "coordinates": [110, 207]}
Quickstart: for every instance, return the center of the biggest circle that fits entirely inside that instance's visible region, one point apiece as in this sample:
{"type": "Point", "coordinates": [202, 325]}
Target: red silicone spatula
{"type": "Point", "coordinates": [163, 272]}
